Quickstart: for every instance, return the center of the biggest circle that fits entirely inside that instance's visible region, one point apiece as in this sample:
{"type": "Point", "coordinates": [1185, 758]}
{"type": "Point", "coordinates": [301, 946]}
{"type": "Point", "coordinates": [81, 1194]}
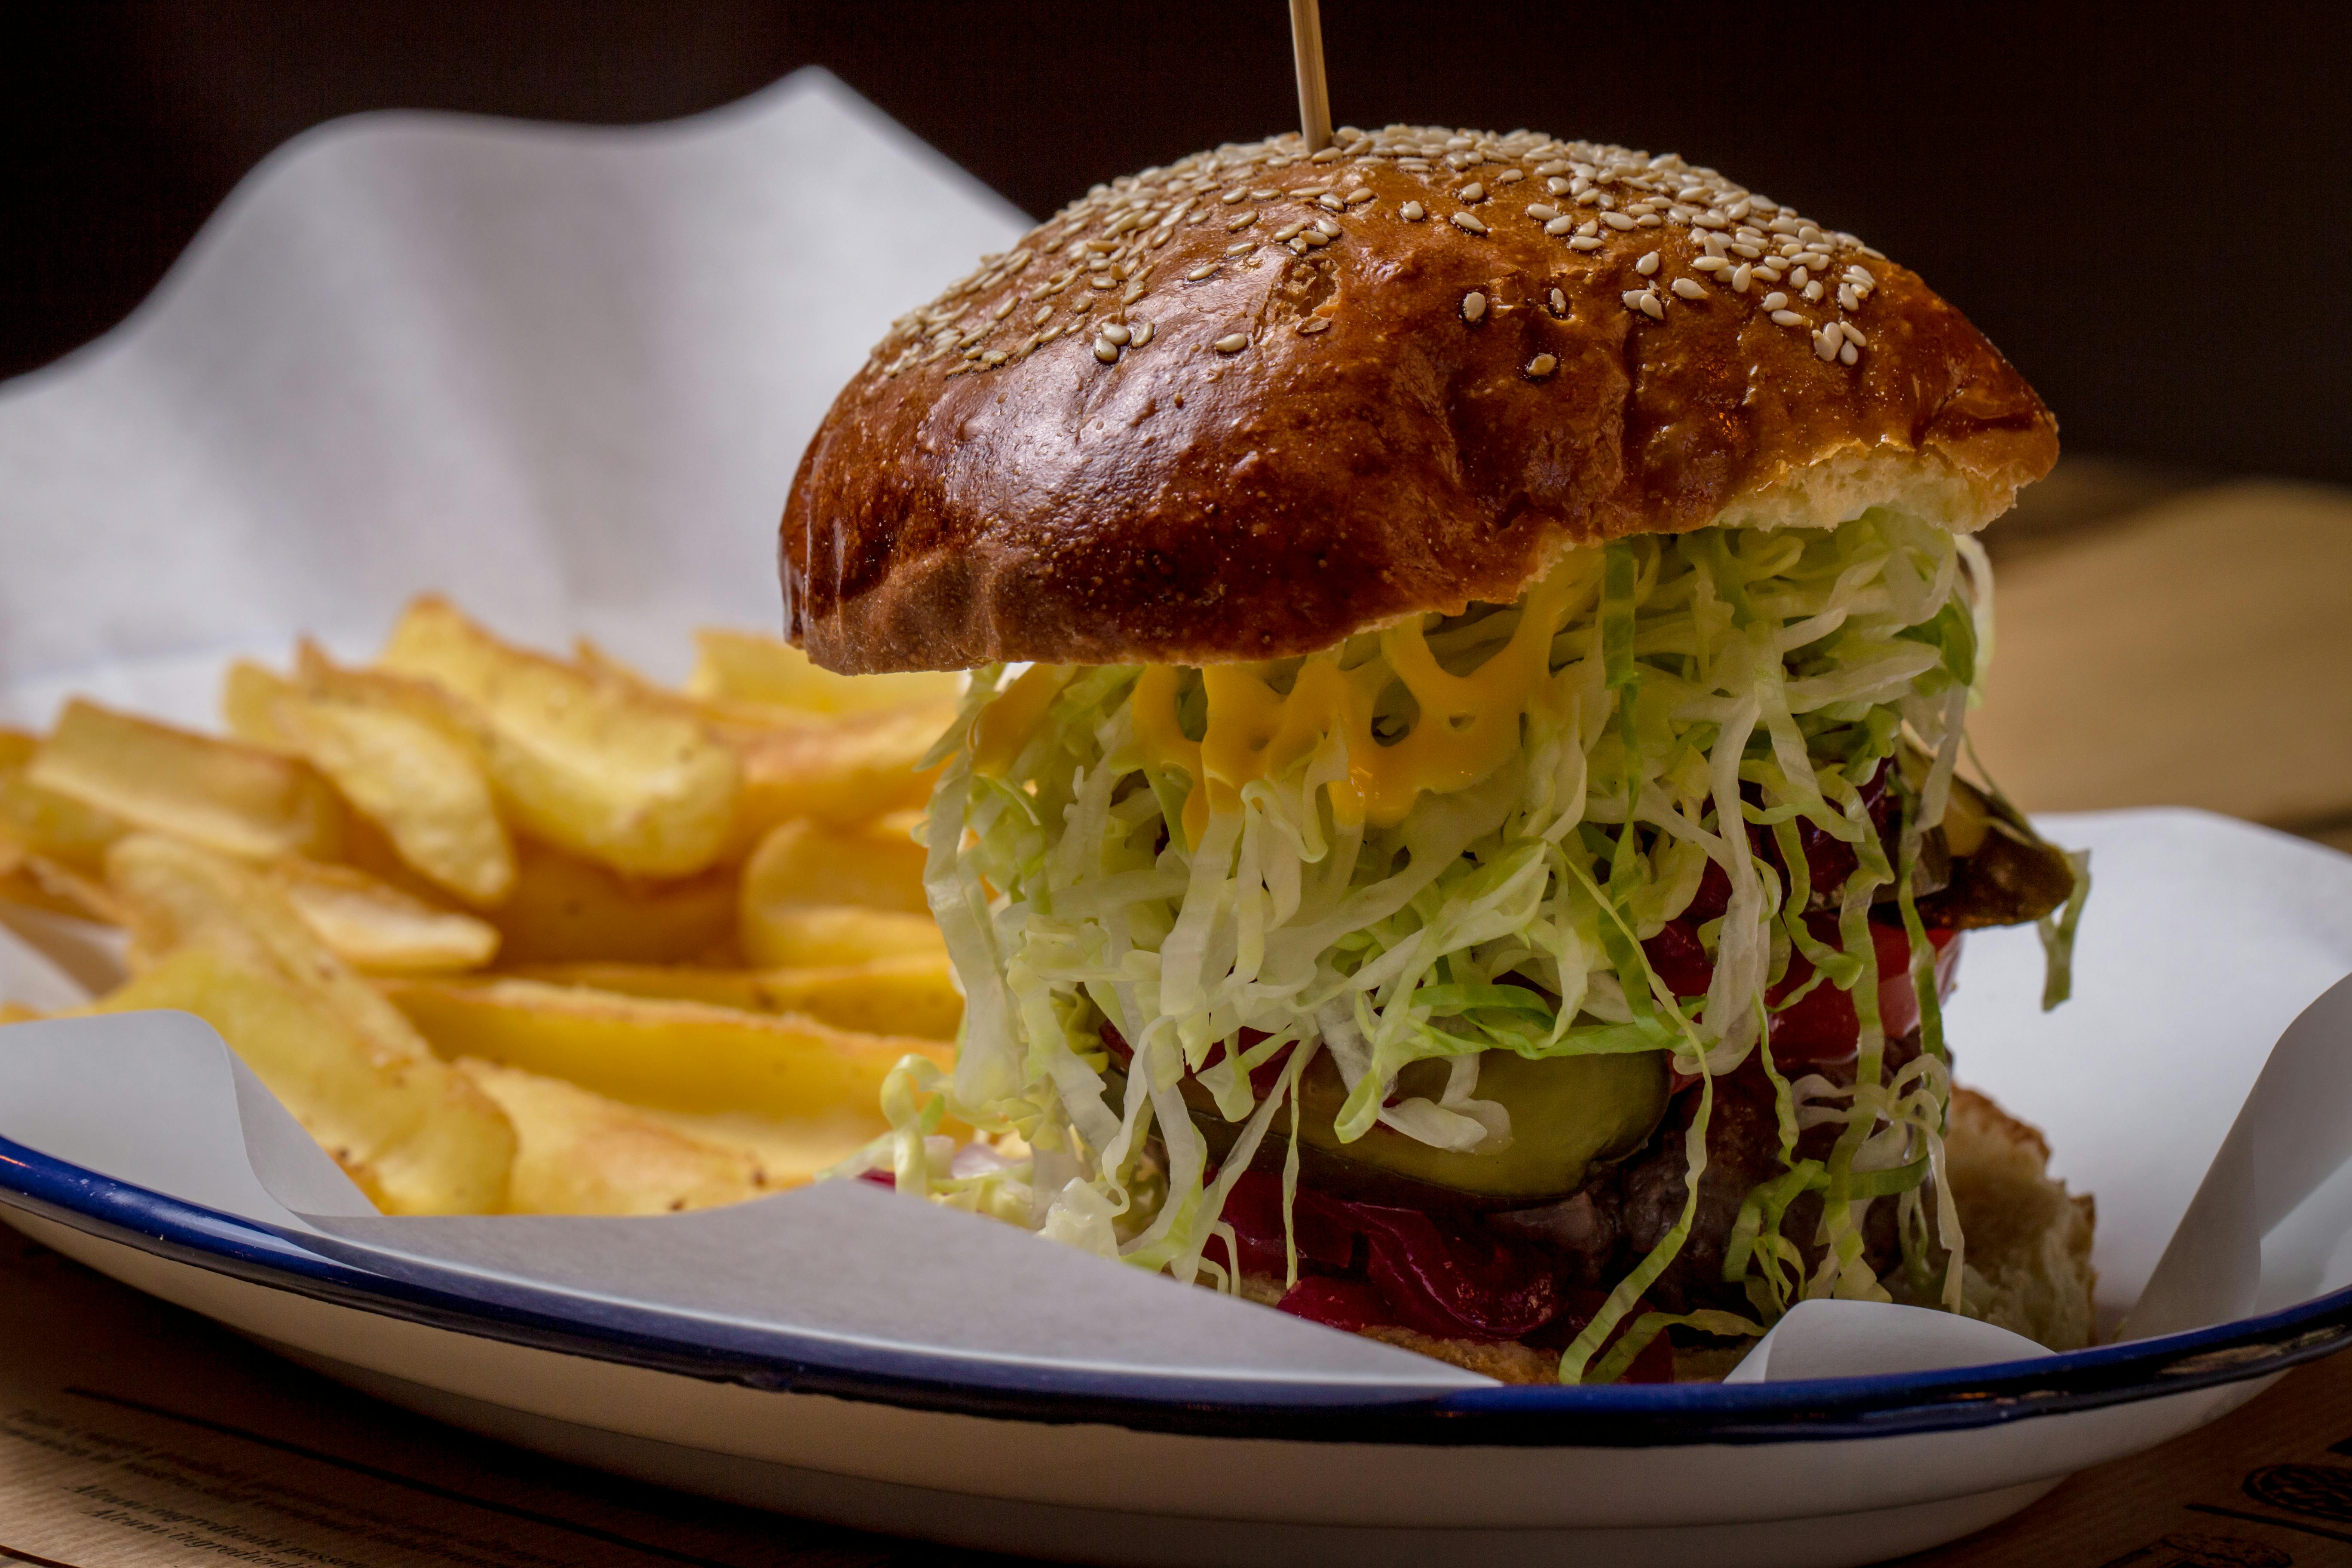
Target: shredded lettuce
{"type": "Point", "coordinates": [1692, 687]}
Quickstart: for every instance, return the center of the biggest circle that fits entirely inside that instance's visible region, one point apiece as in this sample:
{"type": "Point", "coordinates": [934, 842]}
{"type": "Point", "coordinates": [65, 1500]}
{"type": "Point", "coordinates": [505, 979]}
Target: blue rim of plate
{"type": "Point", "coordinates": [779, 1359]}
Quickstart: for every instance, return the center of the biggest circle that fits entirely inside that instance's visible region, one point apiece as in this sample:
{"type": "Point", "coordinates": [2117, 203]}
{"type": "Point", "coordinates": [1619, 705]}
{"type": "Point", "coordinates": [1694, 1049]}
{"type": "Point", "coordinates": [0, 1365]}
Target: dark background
{"type": "Point", "coordinates": [2148, 207]}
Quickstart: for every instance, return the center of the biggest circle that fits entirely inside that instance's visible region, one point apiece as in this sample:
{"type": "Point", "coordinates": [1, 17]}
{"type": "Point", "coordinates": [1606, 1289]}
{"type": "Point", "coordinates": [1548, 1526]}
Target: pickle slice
{"type": "Point", "coordinates": [1570, 1116]}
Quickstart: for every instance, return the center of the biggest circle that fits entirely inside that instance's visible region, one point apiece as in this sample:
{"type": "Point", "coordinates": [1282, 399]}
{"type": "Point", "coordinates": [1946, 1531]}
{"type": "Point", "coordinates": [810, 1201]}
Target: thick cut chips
{"type": "Point", "coordinates": [678, 1056]}
{"type": "Point", "coordinates": [807, 865]}
{"type": "Point", "coordinates": [414, 1133]}
{"type": "Point", "coordinates": [43, 822]}
{"type": "Point", "coordinates": [744, 667]}
{"type": "Point", "coordinates": [913, 995]}
{"type": "Point", "coordinates": [832, 938]}
{"type": "Point", "coordinates": [401, 754]}
{"type": "Point", "coordinates": [564, 907]}
{"type": "Point", "coordinates": [577, 1152]}
{"type": "Point", "coordinates": [177, 896]}
{"type": "Point", "coordinates": [377, 928]}
{"type": "Point", "coordinates": [579, 762]}
{"type": "Point", "coordinates": [844, 774]}
{"type": "Point", "coordinates": [240, 799]}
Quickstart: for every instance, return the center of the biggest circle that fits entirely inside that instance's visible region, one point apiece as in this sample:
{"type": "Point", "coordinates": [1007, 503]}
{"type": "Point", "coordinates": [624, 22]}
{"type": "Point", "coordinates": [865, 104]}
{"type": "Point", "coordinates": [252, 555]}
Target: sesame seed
{"type": "Point", "coordinates": [1647, 264]}
{"type": "Point", "coordinates": [1584, 242]}
{"type": "Point", "coordinates": [993, 358]}
{"type": "Point", "coordinates": [1558, 303]}
{"type": "Point", "coordinates": [1650, 220]}
{"type": "Point", "coordinates": [1045, 314]}
{"type": "Point", "coordinates": [1311, 239]}
{"type": "Point", "coordinates": [1848, 354]}
{"type": "Point", "coordinates": [1105, 351]}
{"type": "Point", "coordinates": [1232, 343]}
{"type": "Point", "coordinates": [1542, 212]}
{"type": "Point", "coordinates": [1787, 319]}
{"type": "Point", "coordinates": [1824, 346]}
{"type": "Point", "coordinates": [1559, 187]}
{"type": "Point", "coordinates": [1113, 332]}
{"type": "Point", "coordinates": [1617, 220]}
{"type": "Point", "coordinates": [1739, 278]}
{"type": "Point", "coordinates": [1474, 191]}
{"type": "Point", "coordinates": [1048, 335]}
{"type": "Point", "coordinates": [1286, 230]}
{"type": "Point", "coordinates": [1102, 280]}
{"type": "Point", "coordinates": [1233, 197]}
{"type": "Point", "coordinates": [1468, 224]}
{"type": "Point", "coordinates": [1688, 289]}
{"type": "Point", "coordinates": [1412, 212]}
{"type": "Point", "coordinates": [1329, 229]}
{"type": "Point", "coordinates": [1541, 367]}
{"type": "Point", "coordinates": [1801, 277]}
{"type": "Point", "coordinates": [1356, 197]}
{"type": "Point", "coordinates": [1813, 290]}
{"type": "Point", "coordinates": [1264, 195]}
{"type": "Point", "coordinates": [1244, 249]}
{"type": "Point", "coordinates": [1833, 332]}
{"type": "Point", "coordinates": [1742, 247]}
{"type": "Point", "coordinates": [1768, 273]}
{"type": "Point", "coordinates": [1652, 306]}
{"type": "Point", "coordinates": [1775, 300]}
{"type": "Point", "coordinates": [1509, 177]}
{"type": "Point", "coordinates": [1857, 273]}
{"type": "Point", "coordinates": [1241, 221]}
{"type": "Point", "coordinates": [1004, 310]}
{"type": "Point", "coordinates": [1141, 334]}
{"type": "Point", "coordinates": [1634, 297]}
{"type": "Point", "coordinates": [1328, 200]}
{"type": "Point", "coordinates": [1847, 298]}
{"type": "Point", "coordinates": [1710, 264]}
{"type": "Point", "coordinates": [1473, 307]}
{"type": "Point", "coordinates": [1197, 273]}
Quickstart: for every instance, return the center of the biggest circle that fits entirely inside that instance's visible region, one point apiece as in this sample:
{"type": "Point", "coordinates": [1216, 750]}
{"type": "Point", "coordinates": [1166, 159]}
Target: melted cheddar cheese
{"type": "Point", "coordinates": [1468, 725]}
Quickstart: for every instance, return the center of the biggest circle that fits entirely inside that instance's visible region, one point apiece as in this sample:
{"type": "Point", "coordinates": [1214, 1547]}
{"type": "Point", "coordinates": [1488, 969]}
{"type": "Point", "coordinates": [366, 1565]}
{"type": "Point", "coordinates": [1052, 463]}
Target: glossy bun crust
{"type": "Point", "coordinates": [1180, 425]}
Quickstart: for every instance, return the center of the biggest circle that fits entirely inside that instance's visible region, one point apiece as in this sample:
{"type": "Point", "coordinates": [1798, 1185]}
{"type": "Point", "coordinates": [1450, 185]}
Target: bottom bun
{"type": "Point", "coordinates": [2028, 1265]}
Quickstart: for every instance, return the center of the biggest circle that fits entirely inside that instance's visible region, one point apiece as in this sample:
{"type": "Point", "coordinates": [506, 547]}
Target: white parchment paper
{"type": "Point", "coordinates": [565, 374]}
{"type": "Point", "coordinates": [562, 373]}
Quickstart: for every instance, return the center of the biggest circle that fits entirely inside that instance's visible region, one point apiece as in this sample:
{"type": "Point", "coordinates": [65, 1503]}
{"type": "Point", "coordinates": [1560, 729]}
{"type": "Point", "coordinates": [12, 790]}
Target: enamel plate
{"type": "Point", "coordinates": [1066, 1457]}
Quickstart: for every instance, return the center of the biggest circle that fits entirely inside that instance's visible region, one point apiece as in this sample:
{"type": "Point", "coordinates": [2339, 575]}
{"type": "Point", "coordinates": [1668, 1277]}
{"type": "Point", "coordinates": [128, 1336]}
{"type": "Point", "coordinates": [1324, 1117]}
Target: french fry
{"type": "Point", "coordinates": [399, 755]}
{"type": "Point", "coordinates": [807, 865]}
{"type": "Point", "coordinates": [677, 1056]}
{"type": "Point", "coordinates": [240, 799]}
{"type": "Point", "coordinates": [833, 938]}
{"type": "Point", "coordinates": [564, 908]}
{"type": "Point", "coordinates": [176, 896]}
{"type": "Point", "coordinates": [914, 995]}
{"type": "Point", "coordinates": [577, 1152]}
{"type": "Point", "coordinates": [844, 774]}
{"type": "Point", "coordinates": [415, 1134]}
{"type": "Point", "coordinates": [44, 823]}
{"type": "Point", "coordinates": [579, 761]}
{"type": "Point", "coordinates": [735, 988]}
{"type": "Point", "coordinates": [744, 667]}
{"type": "Point", "coordinates": [41, 883]}
{"type": "Point", "coordinates": [910, 995]}
{"type": "Point", "coordinates": [377, 928]}
{"type": "Point", "coordinates": [815, 897]}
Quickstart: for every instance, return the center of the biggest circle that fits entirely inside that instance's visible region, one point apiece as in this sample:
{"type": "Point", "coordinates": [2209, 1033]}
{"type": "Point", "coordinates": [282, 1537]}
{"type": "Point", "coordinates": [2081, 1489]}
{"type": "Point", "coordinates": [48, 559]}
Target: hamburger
{"type": "Point", "coordinates": [1457, 828]}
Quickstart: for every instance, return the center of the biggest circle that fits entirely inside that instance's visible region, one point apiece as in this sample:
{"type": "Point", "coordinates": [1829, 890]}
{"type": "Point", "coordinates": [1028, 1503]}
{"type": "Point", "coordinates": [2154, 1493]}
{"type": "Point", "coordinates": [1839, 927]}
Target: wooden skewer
{"type": "Point", "coordinates": [1314, 95]}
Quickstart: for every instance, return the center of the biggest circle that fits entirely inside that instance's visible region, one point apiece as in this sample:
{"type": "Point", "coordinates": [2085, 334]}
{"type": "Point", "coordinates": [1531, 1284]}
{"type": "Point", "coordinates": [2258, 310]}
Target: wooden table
{"type": "Point", "coordinates": [2161, 642]}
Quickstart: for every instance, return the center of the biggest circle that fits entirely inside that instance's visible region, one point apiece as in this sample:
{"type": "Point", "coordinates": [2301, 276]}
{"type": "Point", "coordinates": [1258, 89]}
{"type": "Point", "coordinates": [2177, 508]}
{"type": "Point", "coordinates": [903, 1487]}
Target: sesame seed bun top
{"type": "Point", "coordinates": [1248, 404]}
